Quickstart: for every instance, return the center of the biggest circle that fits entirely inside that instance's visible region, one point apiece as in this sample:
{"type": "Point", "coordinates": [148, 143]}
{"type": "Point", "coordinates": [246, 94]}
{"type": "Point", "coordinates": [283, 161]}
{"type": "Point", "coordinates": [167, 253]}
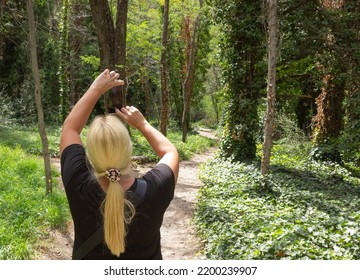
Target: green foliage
{"type": "Point", "coordinates": [243, 50]}
{"type": "Point", "coordinates": [286, 130]}
{"type": "Point", "coordinates": [195, 144]}
{"type": "Point", "coordinates": [26, 212]}
{"type": "Point", "coordinates": [91, 60]}
{"type": "Point", "coordinates": [28, 139]}
{"type": "Point", "coordinates": [303, 210]}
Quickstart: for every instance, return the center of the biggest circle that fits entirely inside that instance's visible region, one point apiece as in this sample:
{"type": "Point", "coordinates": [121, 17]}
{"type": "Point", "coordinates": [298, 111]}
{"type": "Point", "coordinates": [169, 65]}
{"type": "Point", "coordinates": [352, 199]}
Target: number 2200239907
{"type": "Point", "coordinates": [210, 270]}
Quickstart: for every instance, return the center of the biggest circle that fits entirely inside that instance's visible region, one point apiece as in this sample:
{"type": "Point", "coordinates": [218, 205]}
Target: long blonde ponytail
{"type": "Point", "coordinates": [109, 147]}
{"type": "Point", "coordinates": [115, 218]}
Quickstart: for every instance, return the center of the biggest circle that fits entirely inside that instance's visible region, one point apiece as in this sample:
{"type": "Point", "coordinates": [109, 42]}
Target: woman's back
{"type": "Point", "coordinates": [85, 198]}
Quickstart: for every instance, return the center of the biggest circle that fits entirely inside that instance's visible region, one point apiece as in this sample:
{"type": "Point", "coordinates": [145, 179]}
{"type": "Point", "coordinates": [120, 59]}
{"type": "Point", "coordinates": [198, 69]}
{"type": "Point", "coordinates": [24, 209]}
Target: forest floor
{"type": "Point", "coordinates": [178, 236]}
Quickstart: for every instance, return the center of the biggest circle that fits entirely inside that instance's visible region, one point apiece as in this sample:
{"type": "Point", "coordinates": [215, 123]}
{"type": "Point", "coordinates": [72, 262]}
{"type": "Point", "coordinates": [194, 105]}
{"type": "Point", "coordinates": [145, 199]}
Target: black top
{"type": "Point", "coordinates": [85, 197]}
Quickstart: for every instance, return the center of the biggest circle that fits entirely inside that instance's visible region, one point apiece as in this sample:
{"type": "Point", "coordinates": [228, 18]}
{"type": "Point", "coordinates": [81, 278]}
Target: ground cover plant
{"type": "Point", "coordinates": [26, 213]}
{"type": "Point", "coordinates": [304, 210]}
{"type": "Point", "coordinates": [28, 138]}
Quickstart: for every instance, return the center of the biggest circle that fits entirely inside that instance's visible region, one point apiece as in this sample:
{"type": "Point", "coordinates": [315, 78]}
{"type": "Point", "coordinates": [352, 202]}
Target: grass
{"type": "Point", "coordinates": [304, 210]}
{"type": "Point", "coordinates": [27, 214]}
{"type": "Point", "coordinates": [28, 139]}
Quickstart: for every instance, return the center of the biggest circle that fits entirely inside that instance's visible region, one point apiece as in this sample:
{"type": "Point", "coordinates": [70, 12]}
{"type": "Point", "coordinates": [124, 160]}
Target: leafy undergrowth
{"type": "Point", "coordinates": [195, 144]}
{"type": "Point", "coordinates": [26, 212]}
{"type": "Point", "coordinates": [28, 139]}
{"type": "Point", "coordinates": [303, 210]}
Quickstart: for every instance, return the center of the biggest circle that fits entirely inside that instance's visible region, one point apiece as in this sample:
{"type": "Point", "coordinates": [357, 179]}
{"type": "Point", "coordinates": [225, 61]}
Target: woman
{"type": "Point", "coordinates": [131, 231]}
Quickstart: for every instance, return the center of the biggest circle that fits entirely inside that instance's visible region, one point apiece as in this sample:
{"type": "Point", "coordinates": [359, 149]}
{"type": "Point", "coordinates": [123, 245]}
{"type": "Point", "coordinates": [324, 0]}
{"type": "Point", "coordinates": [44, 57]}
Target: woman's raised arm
{"type": "Point", "coordinates": [164, 149]}
{"type": "Point", "coordinates": [76, 120]}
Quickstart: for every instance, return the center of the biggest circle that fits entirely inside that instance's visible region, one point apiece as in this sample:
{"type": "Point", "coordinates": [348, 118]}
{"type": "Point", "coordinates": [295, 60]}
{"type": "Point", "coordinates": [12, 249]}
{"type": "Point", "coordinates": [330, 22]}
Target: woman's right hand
{"type": "Point", "coordinates": [165, 150]}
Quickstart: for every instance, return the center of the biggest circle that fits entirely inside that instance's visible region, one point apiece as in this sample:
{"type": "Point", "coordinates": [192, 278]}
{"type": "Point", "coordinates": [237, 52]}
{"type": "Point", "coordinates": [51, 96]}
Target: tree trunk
{"type": "Point", "coordinates": [112, 44]}
{"type": "Point", "coordinates": [2, 5]}
{"type": "Point", "coordinates": [119, 96]}
{"type": "Point", "coordinates": [39, 108]}
{"type": "Point", "coordinates": [164, 73]}
{"type": "Point", "coordinates": [105, 31]}
{"type": "Point", "coordinates": [329, 121]}
{"type": "Point", "coordinates": [244, 77]}
{"type": "Point", "coordinates": [65, 64]}
{"type": "Point", "coordinates": [271, 88]}
{"type": "Point", "coordinates": [76, 38]}
{"type": "Point", "coordinates": [190, 63]}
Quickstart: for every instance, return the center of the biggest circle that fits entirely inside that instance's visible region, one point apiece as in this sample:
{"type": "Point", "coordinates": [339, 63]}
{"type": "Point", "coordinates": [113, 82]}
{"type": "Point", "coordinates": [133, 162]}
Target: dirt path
{"type": "Point", "coordinates": [178, 237]}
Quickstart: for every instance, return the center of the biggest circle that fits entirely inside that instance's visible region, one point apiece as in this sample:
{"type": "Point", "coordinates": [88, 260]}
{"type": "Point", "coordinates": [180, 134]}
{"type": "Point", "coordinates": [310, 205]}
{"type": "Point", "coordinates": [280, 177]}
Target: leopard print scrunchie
{"type": "Point", "coordinates": [113, 175]}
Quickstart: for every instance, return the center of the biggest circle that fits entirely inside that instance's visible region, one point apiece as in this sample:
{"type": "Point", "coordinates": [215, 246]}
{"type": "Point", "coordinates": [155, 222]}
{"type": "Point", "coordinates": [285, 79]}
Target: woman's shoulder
{"type": "Point", "coordinates": [72, 149]}
{"type": "Point", "coordinates": [74, 166]}
{"type": "Point", "coordinates": [161, 174]}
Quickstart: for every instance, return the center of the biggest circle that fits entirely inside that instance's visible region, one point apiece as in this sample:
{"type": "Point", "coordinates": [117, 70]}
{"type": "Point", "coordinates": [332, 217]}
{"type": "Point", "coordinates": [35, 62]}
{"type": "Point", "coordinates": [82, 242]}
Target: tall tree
{"type": "Point", "coordinates": [112, 42]}
{"type": "Point", "coordinates": [65, 62]}
{"type": "Point", "coordinates": [351, 135]}
{"type": "Point", "coordinates": [78, 35]}
{"type": "Point", "coordinates": [190, 66]}
{"type": "Point", "coordinates": [271, 87]}
{"type": "Point", "coordinates": [39, 107]}
{"type": "Point", "coordinates": [243, 51]}
{"type": "Point", "coordinates": [328, 122]}
{"type": "Point", "coordinates": [119, 94]}
{"type": "Point", "coordinates": [164, 72]}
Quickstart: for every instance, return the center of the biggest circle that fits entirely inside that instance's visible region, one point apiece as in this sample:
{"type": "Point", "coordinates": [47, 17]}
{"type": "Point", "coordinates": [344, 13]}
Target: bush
{"type": "Point", "coordinates": [302, 210]}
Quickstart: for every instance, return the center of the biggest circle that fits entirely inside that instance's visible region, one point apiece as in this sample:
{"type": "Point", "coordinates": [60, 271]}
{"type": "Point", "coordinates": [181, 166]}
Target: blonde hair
{"type": "Point", "coordinates": [109, 146]}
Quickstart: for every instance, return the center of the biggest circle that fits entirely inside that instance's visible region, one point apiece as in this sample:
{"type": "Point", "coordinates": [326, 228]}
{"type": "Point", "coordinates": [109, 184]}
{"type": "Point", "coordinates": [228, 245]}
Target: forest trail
{"type": "Point", "coordinates": [178, 237]}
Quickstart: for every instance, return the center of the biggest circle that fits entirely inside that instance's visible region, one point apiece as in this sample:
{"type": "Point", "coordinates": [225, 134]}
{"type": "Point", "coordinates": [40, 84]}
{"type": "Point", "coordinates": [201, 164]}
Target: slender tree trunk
{"type": "Point", "coordinates": [271, 88]}
{"type": "Point", "coordinates": [64, 63]}
{"type": "Point", "coordinates": [2, 5]}
{"type": "Point", "coordinates": [39, 108]}
{"type": "Point", "coordinates": [188, 82]}
{"type": "Point", "coordinates": [119, 96]}
{"type": "Point", "coordinates": [164, 73]}
{"type": "Point", "coordinates": [76, 38]}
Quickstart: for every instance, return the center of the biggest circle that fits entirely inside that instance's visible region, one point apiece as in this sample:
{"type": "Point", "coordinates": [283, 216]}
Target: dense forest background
{"type": "Point", "coordinates": [215, 60]}
{"type": "Point", "coordinates": [190, 64]}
